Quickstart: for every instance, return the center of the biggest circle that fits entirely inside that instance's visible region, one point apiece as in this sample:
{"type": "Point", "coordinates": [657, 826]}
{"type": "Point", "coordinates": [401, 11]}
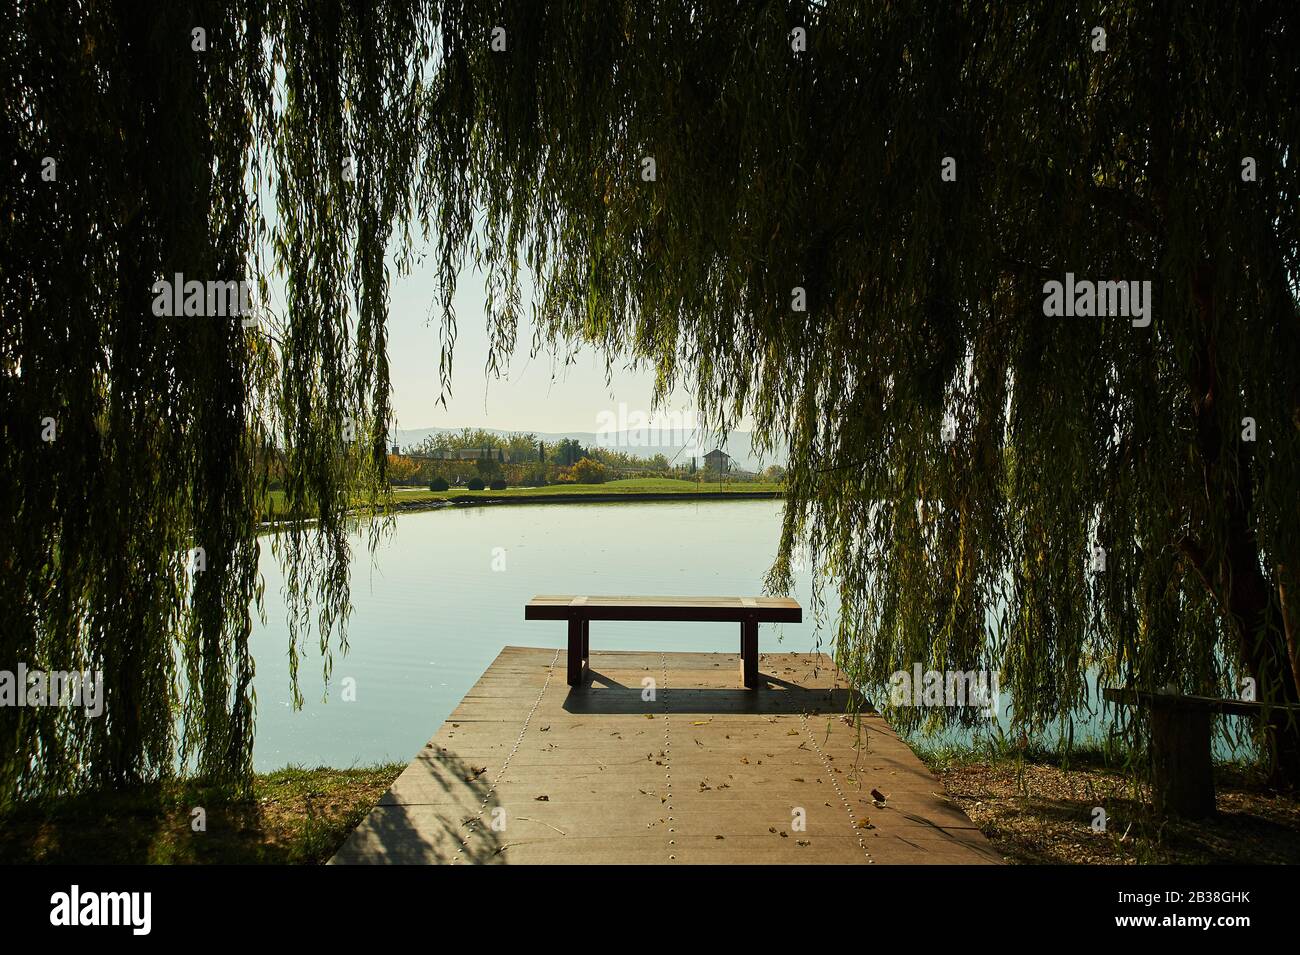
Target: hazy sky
{"type": "Point", "coordinates": [533, 395]}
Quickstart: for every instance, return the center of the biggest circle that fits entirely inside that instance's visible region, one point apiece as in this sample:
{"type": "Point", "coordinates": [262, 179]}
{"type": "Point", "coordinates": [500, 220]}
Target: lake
{"type": "Point", "coordinates": [446, 590]}
{"type": "Point", "coordinates": [430, 612]}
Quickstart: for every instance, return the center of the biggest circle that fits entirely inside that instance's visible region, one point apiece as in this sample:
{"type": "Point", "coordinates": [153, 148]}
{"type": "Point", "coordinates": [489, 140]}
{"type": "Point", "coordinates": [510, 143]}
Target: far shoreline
{"type": "Point", "coordinates": [527, 495]}
{"type": "Point", "coordinates": [471, 500]}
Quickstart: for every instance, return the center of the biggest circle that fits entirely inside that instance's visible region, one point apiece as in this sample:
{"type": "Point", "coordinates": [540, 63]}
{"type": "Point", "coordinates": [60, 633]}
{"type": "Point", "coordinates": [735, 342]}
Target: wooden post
{"type": "Point", "coordinates": [586, 641]}
{"type": "Point", "coordinates": [1182, 769]}
{"type": "Point", "coordinates": [749, 653]}
{"type": "Point", "coordinates": [577, 656]}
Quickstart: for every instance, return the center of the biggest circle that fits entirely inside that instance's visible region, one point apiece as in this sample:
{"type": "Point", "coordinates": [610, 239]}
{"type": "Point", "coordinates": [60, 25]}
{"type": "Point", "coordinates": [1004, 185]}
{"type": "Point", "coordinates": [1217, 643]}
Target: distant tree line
{"type": "Point", "coordinates": [524, 459]}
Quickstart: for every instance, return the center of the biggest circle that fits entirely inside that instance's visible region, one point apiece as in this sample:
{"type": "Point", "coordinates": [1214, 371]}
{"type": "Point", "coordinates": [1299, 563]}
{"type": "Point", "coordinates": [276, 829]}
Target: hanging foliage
{"type": "Point", "coordinates": [838, 220]}
{"type": "Point", "coordinates": [842, 219]}
{"type": "Point", "coordinates": [205, 143]}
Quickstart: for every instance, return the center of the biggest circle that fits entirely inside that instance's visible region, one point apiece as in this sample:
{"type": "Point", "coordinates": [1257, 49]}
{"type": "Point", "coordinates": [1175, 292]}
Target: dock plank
{"type": "Point", "coordinates": [528, 770]}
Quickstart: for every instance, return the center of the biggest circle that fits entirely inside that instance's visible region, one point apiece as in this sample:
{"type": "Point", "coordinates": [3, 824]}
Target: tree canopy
{"type": "Point", "coordinates": [836, 218]}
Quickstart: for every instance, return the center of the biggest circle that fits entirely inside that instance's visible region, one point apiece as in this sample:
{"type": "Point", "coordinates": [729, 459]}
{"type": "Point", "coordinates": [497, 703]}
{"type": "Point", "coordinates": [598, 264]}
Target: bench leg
{"type": "Point", "coordinates": [586, 641]}
{"type": "Point", "coordinates": [1182, 772]}
{"type": "Point", "coordinates": [577, 651]}
{"type": "Point", "coordinates": [749, 654]}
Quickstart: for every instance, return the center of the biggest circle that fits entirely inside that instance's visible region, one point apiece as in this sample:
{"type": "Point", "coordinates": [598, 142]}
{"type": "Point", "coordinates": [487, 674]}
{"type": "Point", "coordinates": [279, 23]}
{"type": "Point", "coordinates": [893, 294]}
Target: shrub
{"type": "Point", "coordinates": [475, 484]}
{"type": "Point", "coordinates": [587, 471]}
{"type": "Point", "coordinates": [498, 485]}
{"type": "Point", "coordinates": [532, 476]}
{"type": "Point", "coordinates": [438, 484]}
{"type": "Point", "coordinates": [401, 469]}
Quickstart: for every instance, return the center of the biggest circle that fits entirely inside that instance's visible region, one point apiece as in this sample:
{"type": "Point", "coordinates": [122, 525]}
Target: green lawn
{"type": "Point", "coordinates": [626, 486]}
{"type": "Point", "coordinates": [298, 816]}
{"type": "Point", "coordinates": [629, 486]}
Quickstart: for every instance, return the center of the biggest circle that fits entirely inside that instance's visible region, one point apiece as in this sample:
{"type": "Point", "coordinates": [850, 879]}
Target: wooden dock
{"type": "Point", "coordinates": [528, 770]}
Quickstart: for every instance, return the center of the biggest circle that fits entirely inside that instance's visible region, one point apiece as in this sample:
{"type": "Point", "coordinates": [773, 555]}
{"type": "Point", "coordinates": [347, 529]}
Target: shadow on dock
{"type": "Point", "coordinates": [664, 758]}
{"type": "Point", "coordinates": [604, 694]}
{"type": "Point", "coordinates": [398, 834]}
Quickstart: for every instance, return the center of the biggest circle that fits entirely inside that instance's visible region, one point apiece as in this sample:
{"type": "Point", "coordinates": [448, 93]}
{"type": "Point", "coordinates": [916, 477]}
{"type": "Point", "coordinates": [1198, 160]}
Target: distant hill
{"type": "Point", "coordinates": [738, 444]}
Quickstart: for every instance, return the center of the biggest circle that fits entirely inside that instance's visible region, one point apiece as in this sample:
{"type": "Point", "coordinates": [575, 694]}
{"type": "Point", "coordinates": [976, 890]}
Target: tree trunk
{"type": "Point", "coordinates": [1234, 573]}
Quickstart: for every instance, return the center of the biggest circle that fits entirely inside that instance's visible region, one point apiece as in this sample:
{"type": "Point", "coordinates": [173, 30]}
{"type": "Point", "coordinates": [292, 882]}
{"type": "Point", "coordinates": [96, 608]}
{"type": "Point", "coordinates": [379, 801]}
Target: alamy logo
{"type": "Point", "coordinates": [103, 908]}
{"type": "Point", "coordinates": [212, 299]}
{"type": "Point", "coordinates": [1087, 299]}
{"type": "Point", "coordinates": [636, 429]}
{"type": "Point", "coordinates": [80, 688]}
{"type": "Point", "coordinates": [951, 688]}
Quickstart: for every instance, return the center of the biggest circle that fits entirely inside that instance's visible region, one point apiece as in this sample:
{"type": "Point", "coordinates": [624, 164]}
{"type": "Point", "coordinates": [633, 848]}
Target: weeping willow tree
{"type": "Point", "coordinates": [681, 177]}
{"type": "Point", "coordinates": [208, 141]}
{"type": "Point", "coordinates": [836, 220]}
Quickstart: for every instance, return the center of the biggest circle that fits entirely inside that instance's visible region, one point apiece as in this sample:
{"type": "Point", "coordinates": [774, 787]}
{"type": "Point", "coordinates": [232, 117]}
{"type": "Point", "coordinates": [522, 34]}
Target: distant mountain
{"type": "Point", "coordinates": [637, 444]}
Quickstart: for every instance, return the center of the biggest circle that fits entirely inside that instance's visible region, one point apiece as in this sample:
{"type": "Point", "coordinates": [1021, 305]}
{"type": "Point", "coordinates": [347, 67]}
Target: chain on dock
{"type": "Point", "coordinates": [830, 772]}
{"type": "Point", "coordinates": [472, 825]}
{"type": "Point", "coordinates": [668, 766]}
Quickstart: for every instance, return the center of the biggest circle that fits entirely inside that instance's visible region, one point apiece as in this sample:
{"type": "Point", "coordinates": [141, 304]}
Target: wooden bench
{"type": "Point", "coordinates": [1182, 765]}
{"type": "Point", "coordinates": [579, 611]}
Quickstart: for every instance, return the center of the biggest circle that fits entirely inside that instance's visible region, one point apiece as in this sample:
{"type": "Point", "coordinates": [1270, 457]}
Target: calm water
{"type": "Point", "coordinates": [430, 612]}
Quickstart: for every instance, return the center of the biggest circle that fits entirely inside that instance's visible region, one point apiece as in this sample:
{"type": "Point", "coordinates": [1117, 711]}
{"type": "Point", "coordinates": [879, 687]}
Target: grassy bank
{"type": "Point", "coordinates": [295, 816]}
{"type": "Point", "coordinates": [1037, 807]}
{"type": "Point", "coordinates": [630, 489]}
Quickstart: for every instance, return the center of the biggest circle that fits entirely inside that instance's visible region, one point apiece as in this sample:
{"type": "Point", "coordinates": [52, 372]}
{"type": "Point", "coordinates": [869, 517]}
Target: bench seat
{"type": "Point", "coordinates": [1182, 764]}
{"type": "Point", "coordinates": [579, 610]}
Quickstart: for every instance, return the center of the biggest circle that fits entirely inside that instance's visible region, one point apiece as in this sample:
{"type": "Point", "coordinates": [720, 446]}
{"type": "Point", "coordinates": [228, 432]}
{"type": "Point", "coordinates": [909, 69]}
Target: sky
{"type": "Point", "coordinates": [533, 394]}
{"type": "Point", "coordinates": [530, 395]}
